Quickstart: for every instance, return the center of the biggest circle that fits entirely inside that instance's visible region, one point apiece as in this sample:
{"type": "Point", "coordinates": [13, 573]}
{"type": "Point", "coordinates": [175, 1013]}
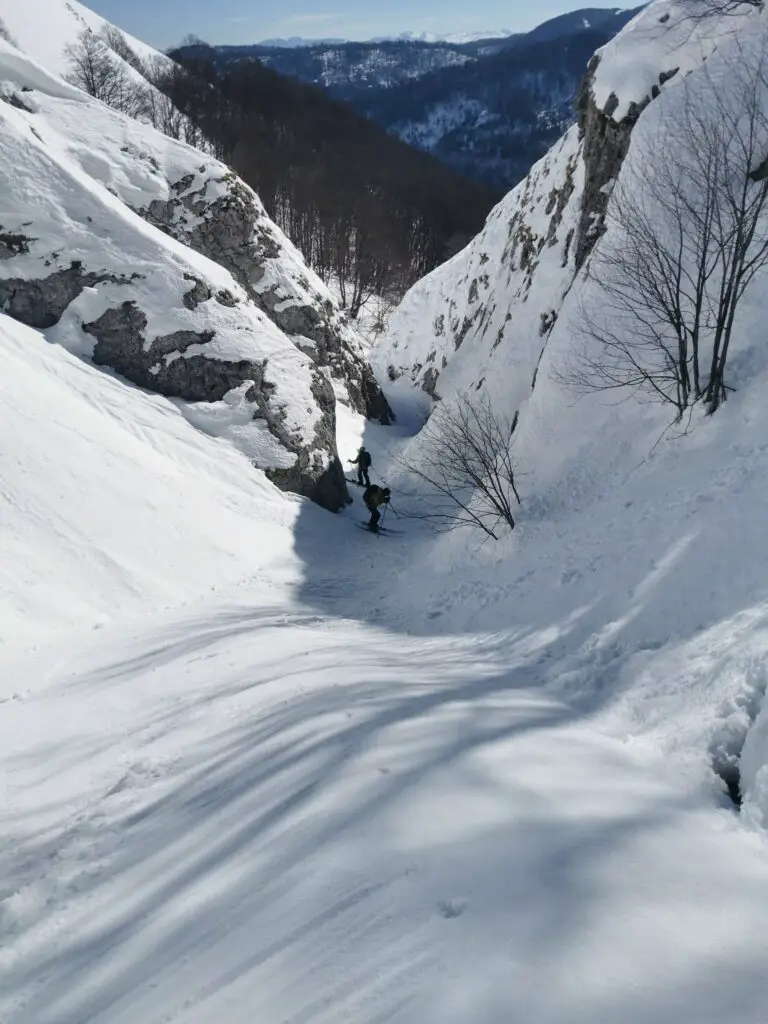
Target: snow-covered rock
{"type": "Point", "coordinates": [200, 202]}
{"type": "Point", "coordinates": [484, 318]}
{"type": "Point", "coordinates": [80, 264]}
{"type": "Point", "coordinates": [155, 260]}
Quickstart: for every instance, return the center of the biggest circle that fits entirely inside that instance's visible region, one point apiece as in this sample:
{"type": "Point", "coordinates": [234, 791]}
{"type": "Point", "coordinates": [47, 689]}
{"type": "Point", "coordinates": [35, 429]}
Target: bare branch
{"type": "Point", "coordinates": [466, 461]}
{"type": "Point", "coordinates": [686, 240]}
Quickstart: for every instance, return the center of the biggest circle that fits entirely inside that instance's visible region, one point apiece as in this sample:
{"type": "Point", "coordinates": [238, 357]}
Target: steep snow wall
{"type": "Point", "coordinates": [501, 320]}
{"type": "Point", "coordinates": [111, 502]}
{"type": "Point", "coordinates": [483, 319]}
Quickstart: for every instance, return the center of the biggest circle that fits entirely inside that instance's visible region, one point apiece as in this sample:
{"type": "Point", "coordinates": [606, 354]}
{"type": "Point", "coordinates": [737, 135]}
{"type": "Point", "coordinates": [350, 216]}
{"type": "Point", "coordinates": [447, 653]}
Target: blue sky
{"type": "Point", "coordinates": [164, 22]}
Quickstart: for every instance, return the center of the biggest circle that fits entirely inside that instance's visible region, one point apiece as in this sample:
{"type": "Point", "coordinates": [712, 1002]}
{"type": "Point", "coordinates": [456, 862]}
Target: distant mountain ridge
{"type": "Point", "coordinates": [415, 37]}
{"type": "Point", "coordinates": [489, 107]}
{"type": "Point", "coordinates": [586, 18]}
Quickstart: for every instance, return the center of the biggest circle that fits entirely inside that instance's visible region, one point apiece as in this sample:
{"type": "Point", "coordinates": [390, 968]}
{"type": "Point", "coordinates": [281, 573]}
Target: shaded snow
{"type": "Point", "coordinates": [306, 774]}
{"type": "Point", "coordinates": [339, 785]}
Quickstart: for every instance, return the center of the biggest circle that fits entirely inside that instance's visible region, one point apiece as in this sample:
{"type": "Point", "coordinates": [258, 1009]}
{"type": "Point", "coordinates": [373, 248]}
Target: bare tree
{"type": "Point", "coordinates": [465, 459]}
{"type": "Point", "coordinates": [686, 238]}
{"type": "Point", "coordinates": [117, 42]}
{"type": "Point", "coordinates": [92, 67]}
{"type": "Point", "coordinates": [101, 71]}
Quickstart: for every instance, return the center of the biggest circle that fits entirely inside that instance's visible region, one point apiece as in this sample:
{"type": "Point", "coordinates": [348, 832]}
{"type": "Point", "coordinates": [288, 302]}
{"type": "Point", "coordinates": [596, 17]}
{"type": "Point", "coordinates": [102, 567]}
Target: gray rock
{"type": "Point", "coordinates": [605, 145]}
{"type": "Point", "coordinates": [41, 303]}
{"type": "Point", "coordinates": [429, 381]}
{"type": "Point", "coordinates": [232, 230]}
{"type": "Point", "coordinates": [121, 345]}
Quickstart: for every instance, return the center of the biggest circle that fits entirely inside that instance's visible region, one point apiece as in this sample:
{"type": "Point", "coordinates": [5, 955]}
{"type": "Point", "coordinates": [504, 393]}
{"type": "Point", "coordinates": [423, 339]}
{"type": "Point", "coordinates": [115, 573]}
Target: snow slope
{"type": "Point", "coordinates": [111, 503]}
{"type": "Point", "coordinates": [397, 779]}
{"type": "Point", "coordinates": [500, 319]}
{"type": "Point", "coordinates": [45, 28]}
{"type": "Point", "coordinates": [301, 797]}
{"type": "Point", "coordinates": [97, 234]}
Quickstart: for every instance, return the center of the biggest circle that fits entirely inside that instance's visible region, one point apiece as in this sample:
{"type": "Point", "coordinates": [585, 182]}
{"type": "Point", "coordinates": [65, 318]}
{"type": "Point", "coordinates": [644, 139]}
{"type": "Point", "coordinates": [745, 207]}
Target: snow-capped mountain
{"type": "Point", "coordinates": [164, 267]}
{"type": "Point", "coordinates": [296, 42]}
{"type": "Point", "coordinates": [460, 38]}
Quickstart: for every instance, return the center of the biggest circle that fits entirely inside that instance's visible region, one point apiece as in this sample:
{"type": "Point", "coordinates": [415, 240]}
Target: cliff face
{"type": "Point", "coordinates": [482, 321]}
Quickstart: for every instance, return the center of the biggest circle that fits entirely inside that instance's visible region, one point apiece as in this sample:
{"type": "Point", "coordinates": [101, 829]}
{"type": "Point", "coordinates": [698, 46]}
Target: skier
{"type": "Point", "coordinates": [363, 463]}
{"type": "Point", "coordinates": [374, 497]}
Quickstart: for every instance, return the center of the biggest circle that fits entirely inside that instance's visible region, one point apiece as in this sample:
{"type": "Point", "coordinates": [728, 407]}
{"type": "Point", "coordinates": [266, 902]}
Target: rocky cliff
{"type": "Point", "coordinates": [482, 321]}
{"type": "Point", "coordinates": [154, 260]}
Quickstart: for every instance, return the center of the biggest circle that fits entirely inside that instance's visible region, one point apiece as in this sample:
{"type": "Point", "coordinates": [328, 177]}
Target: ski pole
{"type": "Point", "coordinates": [382, 519]}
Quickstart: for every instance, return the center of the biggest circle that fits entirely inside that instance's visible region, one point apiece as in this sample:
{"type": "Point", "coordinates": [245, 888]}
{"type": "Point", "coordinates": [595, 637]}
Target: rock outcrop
{"type": "Point", "coordinates": [78, 263]}
{"type": "Point", "coordinates": [215, 213]}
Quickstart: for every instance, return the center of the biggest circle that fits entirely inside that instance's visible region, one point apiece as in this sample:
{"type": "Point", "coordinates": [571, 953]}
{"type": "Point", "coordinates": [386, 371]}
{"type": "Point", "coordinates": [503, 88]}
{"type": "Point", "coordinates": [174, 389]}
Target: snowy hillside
{"type": "Point", "coordinates": [259, 765]}
{"type": "Point", "coordinates": [488, 108]}
{"type": "Point", "coordinates": [44, 29]}
{"type": "Point", "coordinates": [504, 320]}
{"type": "Point", "coordinates": [111, 502]}
{"type": "Point", "coordinates": [164, 266]}
{"type": "Point", "coordinates": [494, 305]}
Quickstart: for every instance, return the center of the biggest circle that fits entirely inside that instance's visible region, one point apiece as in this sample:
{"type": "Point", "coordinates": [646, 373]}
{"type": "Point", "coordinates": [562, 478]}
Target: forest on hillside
{"type": "Point", "coordinates": [366, 210]}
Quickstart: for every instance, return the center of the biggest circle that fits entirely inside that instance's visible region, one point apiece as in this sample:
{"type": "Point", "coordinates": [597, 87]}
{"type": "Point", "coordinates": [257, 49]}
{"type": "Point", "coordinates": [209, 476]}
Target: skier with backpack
{"type": "Point", "coordinates": [363, 463]}
{"type": "Point", "coordinates": [374, 497]}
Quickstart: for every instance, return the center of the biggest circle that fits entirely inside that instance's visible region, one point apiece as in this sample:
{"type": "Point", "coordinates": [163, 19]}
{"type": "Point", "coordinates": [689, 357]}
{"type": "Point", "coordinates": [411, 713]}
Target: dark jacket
{"type": "Point", "coordinates": [374, 496]}
{"type": "Point", "coordinates": [363, 458]}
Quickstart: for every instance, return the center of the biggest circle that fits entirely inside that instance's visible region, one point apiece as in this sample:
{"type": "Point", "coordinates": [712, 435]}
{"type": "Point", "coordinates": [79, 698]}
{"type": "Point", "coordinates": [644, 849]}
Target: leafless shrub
{"type": "Point", "coordinates": [465, 459]}
{"type": "Point", "coordinates": [103, 72]}
{"type": "Point", "coordinates": [698, 9]}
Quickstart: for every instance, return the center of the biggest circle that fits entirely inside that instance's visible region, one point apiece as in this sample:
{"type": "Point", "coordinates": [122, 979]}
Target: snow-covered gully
{"type": "Point", "coordinates": [259, 767]}
{"type": "Point", "coordinates": [277, 784]}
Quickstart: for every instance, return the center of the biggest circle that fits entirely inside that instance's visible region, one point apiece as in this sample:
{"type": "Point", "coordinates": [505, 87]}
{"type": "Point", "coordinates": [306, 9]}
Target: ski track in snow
{"type": "Point", "coordinates": [259, 766]}
{"type": "Point", "coordinates": [306, 796]}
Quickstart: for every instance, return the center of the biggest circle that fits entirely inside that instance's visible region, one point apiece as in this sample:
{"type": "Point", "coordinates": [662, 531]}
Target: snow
{"type": "Point", "coordinates": [261, 766]}
{"type": "Point", "coordinates": [459, 319]}
{"type": "Point", "coordinates": [82, 538]}
{"type": "Point", "coordinates": [106, 167]}
{"type": "Point", "coordinates": [44, 29]}
{"type": "Point", "coordinates": [666, 36]}
{"type": "Point", "coordinates": [440, 120]}
{"type": "Point", "coordinates": [296, 797]}
{"type": "Point", "coordinates": [416, 37]}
